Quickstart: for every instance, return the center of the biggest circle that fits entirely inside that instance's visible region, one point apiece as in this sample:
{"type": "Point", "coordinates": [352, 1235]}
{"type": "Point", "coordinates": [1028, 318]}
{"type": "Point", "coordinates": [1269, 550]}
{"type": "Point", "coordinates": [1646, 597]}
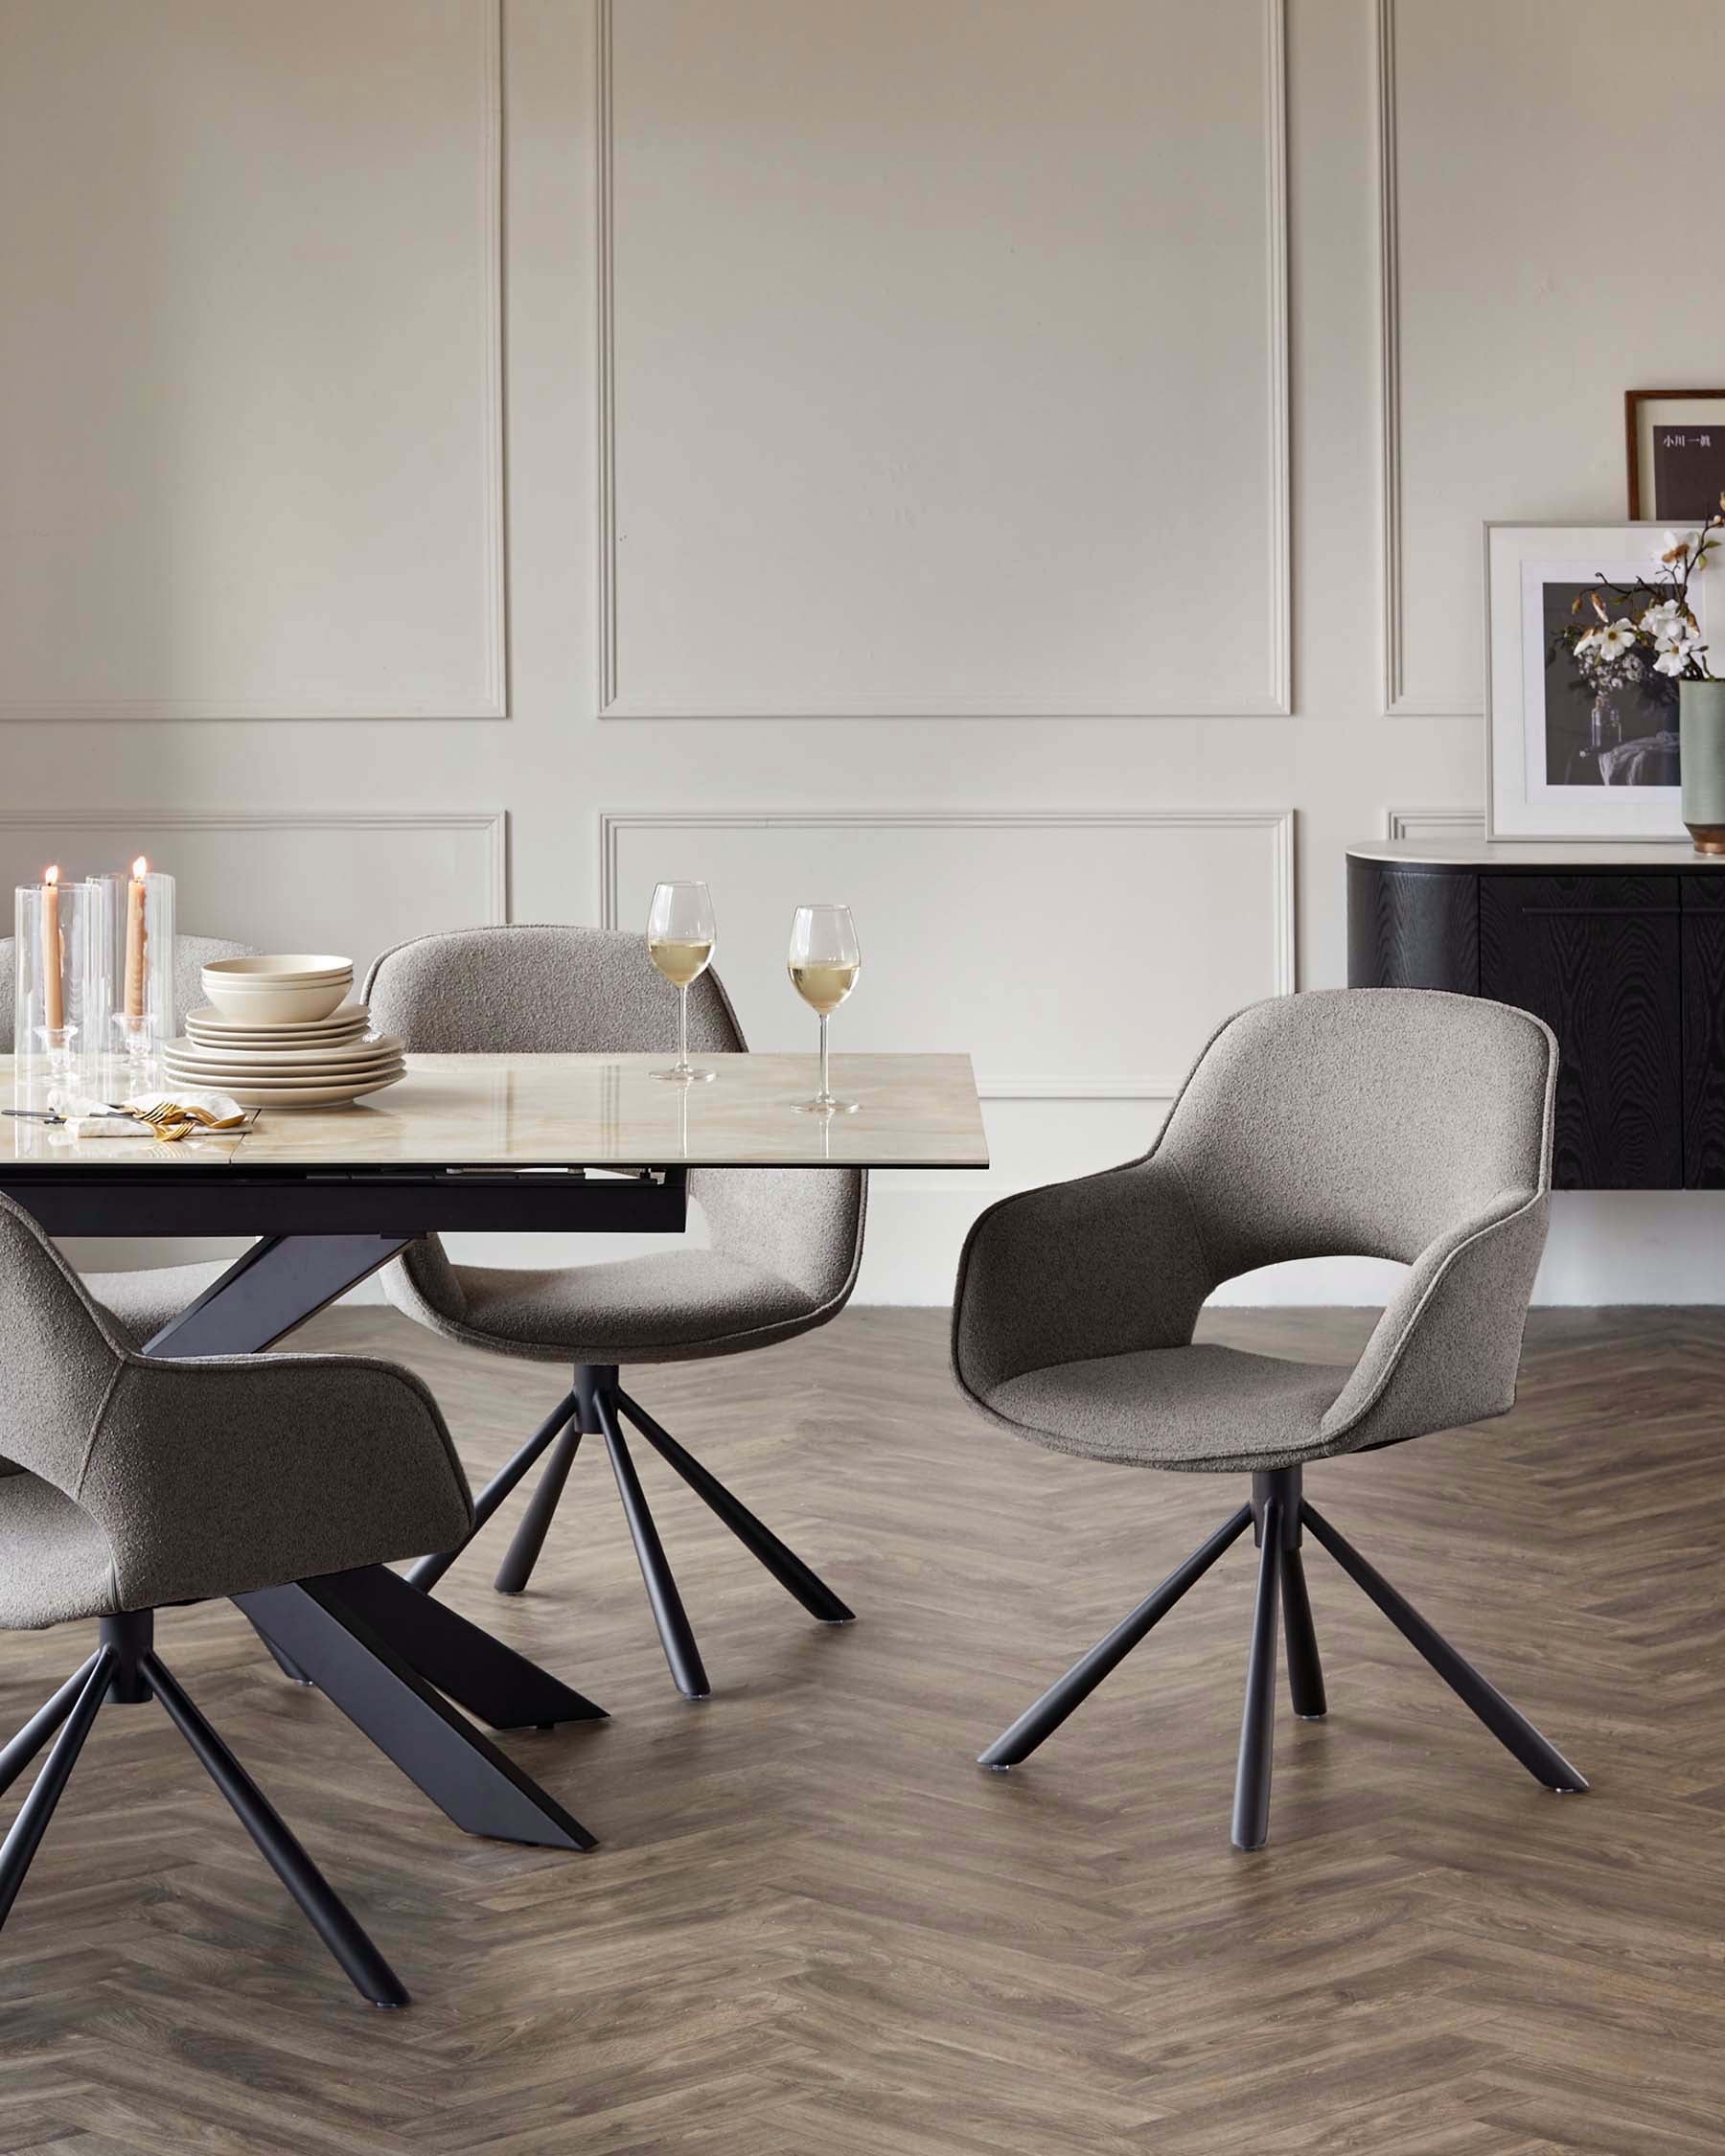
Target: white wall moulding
{"type": "Point", "coordinates": [253, 430]}
{"type": "Point", "coordinates": [355, 881]}
{"type": "Point", "coordinates": [1510, 331]}
{"type": "Point", "coordinates": [924, 256]}
{"type": "Point", "coordinates": [1078, 955]}
{"type": "Point", "coordinates": [1436, 825]}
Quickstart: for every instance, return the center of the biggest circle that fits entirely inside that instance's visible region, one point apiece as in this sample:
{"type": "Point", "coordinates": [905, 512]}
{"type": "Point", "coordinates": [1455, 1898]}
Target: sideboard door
{"type": "Point", "coordinates": [1704, 1030]}
{"type": "Point", "coordinates": [1598, 958]}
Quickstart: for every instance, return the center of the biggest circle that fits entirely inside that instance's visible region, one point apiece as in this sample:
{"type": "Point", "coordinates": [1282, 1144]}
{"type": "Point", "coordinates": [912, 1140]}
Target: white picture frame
{"type": "Point", "coordinates": [1533, 764]}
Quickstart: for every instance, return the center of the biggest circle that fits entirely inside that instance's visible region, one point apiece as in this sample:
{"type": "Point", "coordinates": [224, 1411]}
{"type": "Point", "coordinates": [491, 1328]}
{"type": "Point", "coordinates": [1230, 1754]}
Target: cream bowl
{"type": "Point", "coordinates": [274, 990]}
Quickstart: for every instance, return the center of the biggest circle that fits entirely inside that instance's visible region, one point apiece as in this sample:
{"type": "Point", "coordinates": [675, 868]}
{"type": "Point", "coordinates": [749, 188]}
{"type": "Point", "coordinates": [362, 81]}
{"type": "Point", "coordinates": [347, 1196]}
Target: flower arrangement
{"type": "Point", "coordinates": [1655, 630]}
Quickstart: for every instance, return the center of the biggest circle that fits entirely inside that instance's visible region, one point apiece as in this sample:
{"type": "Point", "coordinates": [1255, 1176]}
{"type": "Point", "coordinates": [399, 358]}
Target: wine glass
{"type": "Point", "coordinates": [824, 961]}
{"type": "Point", "coordinates": [680, 934]}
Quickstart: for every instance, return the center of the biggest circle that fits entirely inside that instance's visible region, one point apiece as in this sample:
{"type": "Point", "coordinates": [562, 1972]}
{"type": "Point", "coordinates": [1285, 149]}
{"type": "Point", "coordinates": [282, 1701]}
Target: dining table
{"type": "Point", "coordinates": [493, 1144]}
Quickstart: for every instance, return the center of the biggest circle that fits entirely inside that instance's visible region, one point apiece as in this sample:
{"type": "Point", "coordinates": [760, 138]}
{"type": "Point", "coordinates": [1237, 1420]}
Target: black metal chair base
{"type": "Point", "coordinates": [1278, 1513]}
{"type": "Point", "coordinates": [126, 1670]}
{"type": "Point", "coordinates": [597, 1406]}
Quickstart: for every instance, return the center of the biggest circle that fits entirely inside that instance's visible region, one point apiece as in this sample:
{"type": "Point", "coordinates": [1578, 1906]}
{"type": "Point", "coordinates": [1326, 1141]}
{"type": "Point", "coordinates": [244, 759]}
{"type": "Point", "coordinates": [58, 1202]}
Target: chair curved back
{"type": "Point", "coordinates": [190, 956]}
{"type": "Point", "coordinates": [542, 990]}
{"type": "Point", "coordinates": [549, 990]}
{"type": "Point", "coordinates": [58, 1361]}
{"type": "Point", "coordinates": [1359, 1123]}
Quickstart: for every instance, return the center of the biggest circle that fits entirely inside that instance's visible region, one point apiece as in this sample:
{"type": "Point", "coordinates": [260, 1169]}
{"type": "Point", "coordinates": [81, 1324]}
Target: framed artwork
{"type": "Point", "coordinates": [1575, 750]}
{"type": "Point", "coordinates": [1676, 445]}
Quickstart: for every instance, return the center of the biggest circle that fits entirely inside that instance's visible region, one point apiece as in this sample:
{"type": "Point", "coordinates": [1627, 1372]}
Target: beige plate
{"type": "Point", "coordinates": [308, 1096]}
{"type": "Point", "coordinates": [209, 1019]}
{"type": "Point", "coordinates": [387, 1046]}
{"type": "Point", "coordinates": [279, 1081]}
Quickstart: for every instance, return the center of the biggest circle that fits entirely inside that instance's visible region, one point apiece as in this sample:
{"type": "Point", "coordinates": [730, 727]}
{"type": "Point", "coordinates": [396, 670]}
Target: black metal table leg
{"type": "Point", "coordinates": [270, 1289]}
{"type": "Point", "coordinates": [1512, 1730]}
{"type": "Point", "coordinates": [459, 1657]}
{"type": "Point", "coordinates": [461, 1771]}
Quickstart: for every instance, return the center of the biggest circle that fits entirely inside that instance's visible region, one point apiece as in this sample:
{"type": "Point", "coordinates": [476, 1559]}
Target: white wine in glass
{"type": "Point", "coordinates": [680, 935]}
{"type": "Point", "coordinates": [823, 962]}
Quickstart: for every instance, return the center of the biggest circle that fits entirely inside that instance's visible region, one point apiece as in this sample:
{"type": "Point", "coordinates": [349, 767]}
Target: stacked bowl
{"type": "Point", "coordinates": [283, 1032]}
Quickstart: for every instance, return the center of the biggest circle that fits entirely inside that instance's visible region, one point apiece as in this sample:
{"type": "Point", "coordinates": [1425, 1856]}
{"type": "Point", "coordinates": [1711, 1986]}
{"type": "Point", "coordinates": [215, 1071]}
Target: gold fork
{"type": "Point", "coordinates": [171, 1122]}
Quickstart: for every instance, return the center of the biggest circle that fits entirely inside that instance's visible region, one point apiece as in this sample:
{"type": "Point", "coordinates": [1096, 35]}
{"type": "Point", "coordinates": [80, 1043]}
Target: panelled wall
{"type": "Point", "coordinates": [1015, 465]}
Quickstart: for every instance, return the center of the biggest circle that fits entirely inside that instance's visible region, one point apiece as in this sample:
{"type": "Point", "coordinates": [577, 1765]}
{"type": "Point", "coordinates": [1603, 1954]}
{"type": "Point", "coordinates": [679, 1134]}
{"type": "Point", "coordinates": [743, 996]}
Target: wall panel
{"type": "Point", "coordinates": [252, 413]}
{"type": "Point", "coordinates": [1024, 382]}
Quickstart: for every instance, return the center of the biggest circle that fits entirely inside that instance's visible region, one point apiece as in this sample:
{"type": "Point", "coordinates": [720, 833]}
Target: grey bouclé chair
{"type": "Point", "coordinates": [127, 1482]}
{"type": "Point", "coordinates": [785, 1244]}
{"type": "Point", "coordinates": [1374, 1122]}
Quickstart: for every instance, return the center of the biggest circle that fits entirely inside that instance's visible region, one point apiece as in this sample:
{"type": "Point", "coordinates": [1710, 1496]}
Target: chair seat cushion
{"type": "Point", "coordinates": [671, 1306]}
{"type": "Point", "coordinates": [141, 1303]}
{"type": "Point", "coordinates": [1203, 1408]}
{"type": "Point", "coordinates": [56, 1562]}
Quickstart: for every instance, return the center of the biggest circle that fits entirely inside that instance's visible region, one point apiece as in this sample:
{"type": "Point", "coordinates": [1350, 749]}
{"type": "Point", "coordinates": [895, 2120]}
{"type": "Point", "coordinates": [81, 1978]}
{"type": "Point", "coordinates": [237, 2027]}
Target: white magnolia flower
{"type": "Point", "coordinates": [1679, 546]}
{"type": "Point", "coordinates": [1615, 639]}
{"type": "Point", "coordinates": [1666, 620]}
{"type": "Point", "coordinates": [1673, 662]}
{"type": "Point", "coordinates": [1587, 643]}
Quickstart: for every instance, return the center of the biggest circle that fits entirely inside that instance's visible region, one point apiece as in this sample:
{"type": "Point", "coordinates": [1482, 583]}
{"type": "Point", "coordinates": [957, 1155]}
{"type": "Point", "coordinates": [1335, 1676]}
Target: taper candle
{"type": "Point", "coordinates": [54, 959]}
{"type": "Point", "coordinates": [135, 939]}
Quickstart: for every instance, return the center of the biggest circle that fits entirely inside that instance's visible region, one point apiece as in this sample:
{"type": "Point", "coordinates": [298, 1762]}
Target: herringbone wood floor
{"type": "Point", "coordinates": [815, 1924]}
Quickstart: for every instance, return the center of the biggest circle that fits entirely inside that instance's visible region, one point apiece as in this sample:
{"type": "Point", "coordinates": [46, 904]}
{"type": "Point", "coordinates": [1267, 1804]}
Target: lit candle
{"type": "Point", "coordinates": [54, 993]}
{"type": "Point", "coordinates": [135, 939]}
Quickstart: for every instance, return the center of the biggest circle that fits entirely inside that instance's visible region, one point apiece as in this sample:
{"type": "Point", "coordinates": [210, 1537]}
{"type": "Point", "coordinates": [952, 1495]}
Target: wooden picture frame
{"type": "Point", "coordinates": [1687, 412]}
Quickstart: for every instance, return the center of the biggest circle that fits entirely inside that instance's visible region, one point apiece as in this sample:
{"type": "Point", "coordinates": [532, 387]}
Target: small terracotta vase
{"type": "Point", "coordinates": [1701, 728]}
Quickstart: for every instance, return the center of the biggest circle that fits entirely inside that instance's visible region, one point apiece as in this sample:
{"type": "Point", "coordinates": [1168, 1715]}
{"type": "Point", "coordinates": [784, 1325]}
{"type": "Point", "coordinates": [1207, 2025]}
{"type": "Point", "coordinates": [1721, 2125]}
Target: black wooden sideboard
{"type": "Point", "coordinates": [1620, 949]}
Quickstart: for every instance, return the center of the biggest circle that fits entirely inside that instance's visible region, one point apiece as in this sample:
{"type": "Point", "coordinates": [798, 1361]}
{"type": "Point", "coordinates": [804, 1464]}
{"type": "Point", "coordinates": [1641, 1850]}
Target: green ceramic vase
{"type": "Point", "coordinates": [1701, 726]}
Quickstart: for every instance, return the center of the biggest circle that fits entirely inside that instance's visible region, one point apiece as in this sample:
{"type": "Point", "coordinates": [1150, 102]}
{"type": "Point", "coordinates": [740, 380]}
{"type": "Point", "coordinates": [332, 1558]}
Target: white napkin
{"type": "Point", "coordinates": [86, 1117]}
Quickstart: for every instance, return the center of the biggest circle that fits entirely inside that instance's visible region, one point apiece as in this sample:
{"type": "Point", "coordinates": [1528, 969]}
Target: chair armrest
{"type": "Point", "coordinates": [1104, 1265]}
{"type": "Point", "coordinates": [1447, 1348]}
{"type": "Point", "coordinates": [213, 1477]}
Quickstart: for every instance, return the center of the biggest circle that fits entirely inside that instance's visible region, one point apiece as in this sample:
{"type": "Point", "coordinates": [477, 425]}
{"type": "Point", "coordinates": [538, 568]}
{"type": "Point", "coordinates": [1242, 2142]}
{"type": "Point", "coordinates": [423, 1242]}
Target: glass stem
{"type": "Point", "coordinates": [826, 1091]}
{"type": "Point", "coordinates": [682, 1027]}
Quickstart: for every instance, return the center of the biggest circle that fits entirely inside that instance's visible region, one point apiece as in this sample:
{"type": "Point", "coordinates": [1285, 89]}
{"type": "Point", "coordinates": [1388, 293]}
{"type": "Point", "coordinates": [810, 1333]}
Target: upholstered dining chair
{"type": "Point", "coordinates": [126, 1483]}
{"type": "Point", "coordinates": [785, 1247]}
{"type": "Point", "coordinates": [190, 956]}
{"type": "Point", "coordinates": [1386, 1123]}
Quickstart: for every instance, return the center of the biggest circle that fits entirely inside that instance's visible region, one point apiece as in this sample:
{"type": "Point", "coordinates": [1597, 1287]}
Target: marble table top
{"type": "Point", "coordinates": [573, 1110]}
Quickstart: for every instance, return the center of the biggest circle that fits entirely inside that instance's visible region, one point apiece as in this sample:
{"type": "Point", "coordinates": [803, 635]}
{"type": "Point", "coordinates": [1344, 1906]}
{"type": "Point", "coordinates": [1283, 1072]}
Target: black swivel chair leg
{"type": "Point", "coordinates": [334, 1922]}
{"type": "Point", "coordinates": [430, 1569]}
{"type": "Point", "coordinates": [1258, 1722]}
{"type": "Point", "coordinates": [675, 1634]}
{"type": "Point", "coordinates": [1305, 1672]}
{"type": "Point", "coordinates": [1079, 1682]}
{"type": "Point", "coordinates": [781, 1561]}
{"type": "Point", "coordinates": [1511, 1728]}
{"type": "Point", "coordinates": [37, 1808]}
{"type": "Point", "coordinates": [529, 1537]}
{"type": "Point", "coordinates": [41, 1725]}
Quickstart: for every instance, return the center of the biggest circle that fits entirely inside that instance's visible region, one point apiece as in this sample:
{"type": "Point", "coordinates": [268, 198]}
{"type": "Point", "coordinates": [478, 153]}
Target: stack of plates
{"type": "Point", "coordinates": [311, 1063]}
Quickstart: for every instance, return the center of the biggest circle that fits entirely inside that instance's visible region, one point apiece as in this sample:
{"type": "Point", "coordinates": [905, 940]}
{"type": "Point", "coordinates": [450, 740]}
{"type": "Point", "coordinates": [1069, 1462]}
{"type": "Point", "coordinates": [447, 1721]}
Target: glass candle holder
{"type": "Point", "coordinates": [60, 1008]}
{"type": "Point", "coordinates": [138, 959]}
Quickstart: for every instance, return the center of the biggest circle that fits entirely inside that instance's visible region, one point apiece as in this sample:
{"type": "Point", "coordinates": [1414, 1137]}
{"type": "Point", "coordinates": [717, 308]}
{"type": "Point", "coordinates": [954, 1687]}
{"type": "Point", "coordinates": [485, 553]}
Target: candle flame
{"type": "Point", "coordinates": [51, 875]}
{"type": "Point", "coordinates": [139, 867]}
